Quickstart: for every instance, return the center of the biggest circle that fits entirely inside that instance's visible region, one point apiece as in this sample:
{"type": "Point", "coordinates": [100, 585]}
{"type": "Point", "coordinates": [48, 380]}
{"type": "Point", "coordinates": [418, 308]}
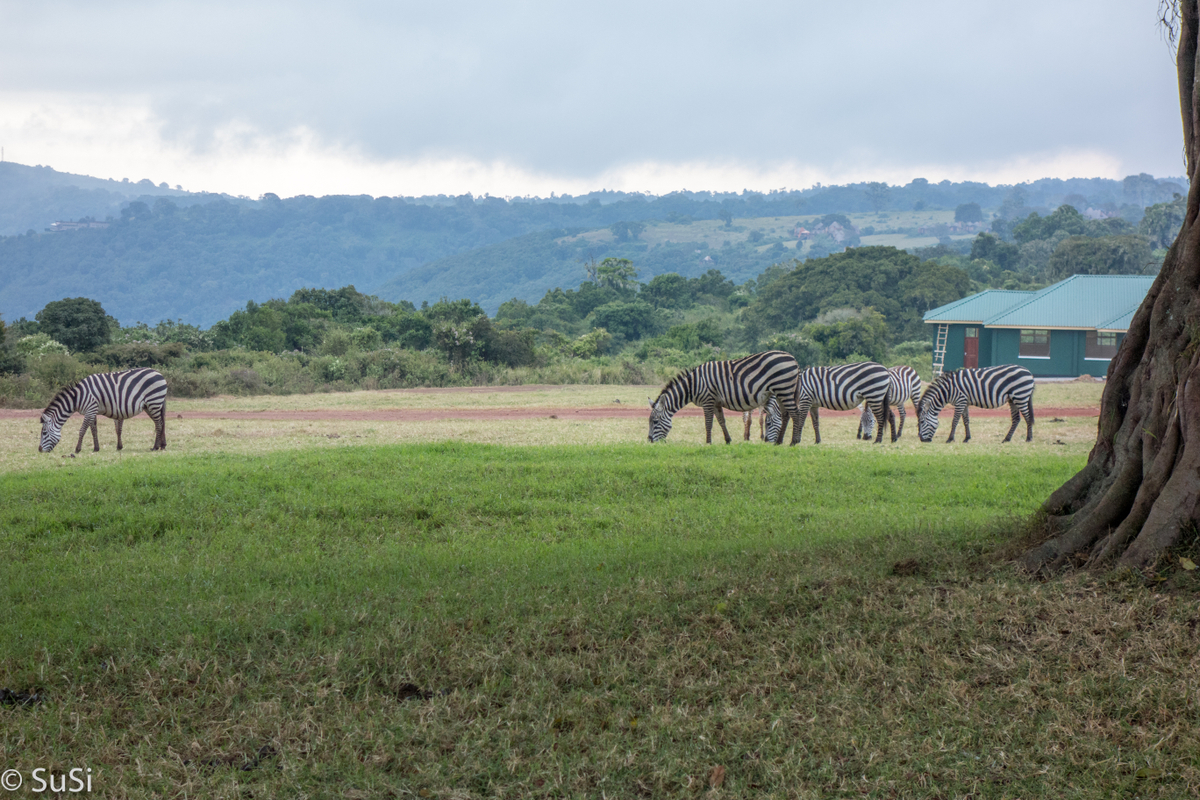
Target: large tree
{"type": "Point", "coordinates": [77, 322]}
{"type": "Point", "coordinates": [1140, 490]}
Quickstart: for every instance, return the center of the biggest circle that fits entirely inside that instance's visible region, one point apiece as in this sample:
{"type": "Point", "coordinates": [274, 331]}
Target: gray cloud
{"type": "Point", "coordinates": [574, 89]}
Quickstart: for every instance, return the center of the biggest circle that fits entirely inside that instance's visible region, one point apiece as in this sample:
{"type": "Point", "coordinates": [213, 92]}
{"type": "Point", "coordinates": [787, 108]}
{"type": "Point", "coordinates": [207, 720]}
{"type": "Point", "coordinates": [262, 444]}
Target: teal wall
{"type": "Point", "coordinates": [1002, 346]}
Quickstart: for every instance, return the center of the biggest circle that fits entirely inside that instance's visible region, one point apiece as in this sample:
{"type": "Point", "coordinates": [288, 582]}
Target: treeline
{"type": "Point", "coordinates": [864, 303]}
{"type": "Point", "coordinates": [1034, 251]}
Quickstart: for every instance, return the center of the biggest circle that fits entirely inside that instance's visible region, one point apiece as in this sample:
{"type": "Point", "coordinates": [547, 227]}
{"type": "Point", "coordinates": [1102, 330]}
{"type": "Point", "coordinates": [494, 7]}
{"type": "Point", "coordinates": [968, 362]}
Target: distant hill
{"type": "Point", "coordinates": [31, 198]}
{"type": "Point", "coordinates": [170, 254]}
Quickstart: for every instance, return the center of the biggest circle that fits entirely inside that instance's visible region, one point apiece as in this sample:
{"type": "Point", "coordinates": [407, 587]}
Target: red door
{"type": "Point", "coordinates": [971, 348]}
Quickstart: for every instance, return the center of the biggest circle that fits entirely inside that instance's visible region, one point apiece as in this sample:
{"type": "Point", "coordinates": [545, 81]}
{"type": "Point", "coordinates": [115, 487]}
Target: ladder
{"type": "Point", "coordinates": [939, 349]}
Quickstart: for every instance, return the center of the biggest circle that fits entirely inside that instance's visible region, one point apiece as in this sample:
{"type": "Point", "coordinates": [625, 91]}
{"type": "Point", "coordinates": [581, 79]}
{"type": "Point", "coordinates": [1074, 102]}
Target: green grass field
{"type": "Point", "coordinates": [457, 620]}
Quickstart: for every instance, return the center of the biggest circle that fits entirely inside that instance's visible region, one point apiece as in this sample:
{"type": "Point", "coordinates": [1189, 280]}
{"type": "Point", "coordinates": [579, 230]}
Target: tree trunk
{"type": "Point", "coordinates": [1140, 489]}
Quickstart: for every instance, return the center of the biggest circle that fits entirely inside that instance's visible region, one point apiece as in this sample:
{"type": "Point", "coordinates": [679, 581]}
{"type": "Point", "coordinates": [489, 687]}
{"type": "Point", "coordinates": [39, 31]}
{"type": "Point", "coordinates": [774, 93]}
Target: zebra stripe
{"type": "Point", "coordinates": [843, 388]}
{"type": "Point", "coordinates": [903, 384]}
{"type": "Point", "coordinates": [118, 395]}
{"type": "Point", "coordinates": [987, 387]}
{"type": "Point", "coordinates": [739, 385]}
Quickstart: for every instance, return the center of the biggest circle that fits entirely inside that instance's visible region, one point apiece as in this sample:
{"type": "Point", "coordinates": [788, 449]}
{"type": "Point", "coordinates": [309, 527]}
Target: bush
{"type": "Point", "coordinates": [591, 344]}
{"type": "Point", "coordinates": [336, 343]}
{"type": "Point", "coordinates": [140, 354]}
{"type": "Point", "coordinates": [513, 348]}
{"type": "Point", "coordinates": [38, 345]}
{"type": "Point", "coordinates": [57, 370]}
{"type": "Point", "coordinates": [366, 339]}
{"type": "Point", "coordinates": [248, 380]}
{"type": "Point", "coordinates": [808, 353]}
{"type": "Point", "coordinates": [844, 332]}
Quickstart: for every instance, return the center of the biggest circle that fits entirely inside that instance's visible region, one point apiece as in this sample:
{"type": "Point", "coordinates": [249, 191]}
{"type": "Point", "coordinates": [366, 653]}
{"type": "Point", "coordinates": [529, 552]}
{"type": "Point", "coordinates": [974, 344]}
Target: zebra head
{"type": "Point", "coordinates": [867, 421]}
{"type": "Point", "coordinates": [930, 406]}
{"type": "Point", "coordinates": [772, 421]}
{"type": "Point", "coordinates": [51, 432]}
{"type": "Point", "coordinates": [660, 419]}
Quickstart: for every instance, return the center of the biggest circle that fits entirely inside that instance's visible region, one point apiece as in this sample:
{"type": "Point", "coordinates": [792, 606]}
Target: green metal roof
{"type": "Point", "coordinates": [1120, 323]}
{"type": "Point", "coordinates": [1092, 302]}
{"type": "Point", "coordinates": [977, 307]}
{"type": "Point", "coordinates": [1081, 301]}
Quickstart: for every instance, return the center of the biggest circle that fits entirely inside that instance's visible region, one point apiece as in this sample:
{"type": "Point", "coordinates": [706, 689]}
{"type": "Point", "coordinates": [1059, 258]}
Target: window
{"type": "Point", "coordinates": [1101, 345]}
{"type": "Point", "coordinates": [972, 333]}
{"type": "Point", "coordinates": [1035, 344]}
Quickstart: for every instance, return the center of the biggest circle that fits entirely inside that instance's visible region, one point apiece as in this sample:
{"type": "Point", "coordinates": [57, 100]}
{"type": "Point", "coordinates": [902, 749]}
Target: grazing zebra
{"type": "Point", "coordinates": [119, 395]}
{"type": "Point", "coordinates": [903, 384]}
{"type": "Point", "coordinates": [988, 387]}
{"type": "Point", "coordinates": [842, 388]}
{"type": "Point", "coordinates": [739, 385]}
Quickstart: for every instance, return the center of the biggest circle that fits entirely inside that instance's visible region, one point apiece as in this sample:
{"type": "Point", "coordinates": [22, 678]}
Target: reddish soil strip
{"type": "Point", "coordinates": [595, 412]}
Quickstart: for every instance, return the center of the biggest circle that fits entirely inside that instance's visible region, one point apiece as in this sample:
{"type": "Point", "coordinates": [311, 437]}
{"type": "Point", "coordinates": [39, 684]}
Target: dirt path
{"type": "Point", "coordinates": [551, 412]}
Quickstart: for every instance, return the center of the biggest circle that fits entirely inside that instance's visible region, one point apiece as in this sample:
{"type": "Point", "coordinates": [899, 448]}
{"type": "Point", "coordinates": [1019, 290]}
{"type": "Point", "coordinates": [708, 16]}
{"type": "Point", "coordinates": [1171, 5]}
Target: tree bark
{"type": "Point", "coordinates": [1140, 490]}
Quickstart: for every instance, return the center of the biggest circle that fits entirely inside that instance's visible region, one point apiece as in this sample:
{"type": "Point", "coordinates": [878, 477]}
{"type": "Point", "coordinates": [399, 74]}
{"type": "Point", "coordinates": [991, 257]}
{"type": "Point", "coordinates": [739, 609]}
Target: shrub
{"type": "Point", "coordinates": [140, 354]}
{"type": "Point", "coordinates": [366, 338]}
{"type": "Point", "coordinates": [808, 352]}
{"type": "Point", "coordinates": [38, 345]}
{"type": "Point", "coordinates": [336, 343]}
{"type": "Point", "coordinates": [247, 380]}
{"type": "Point", "coordinates": [56, 370]}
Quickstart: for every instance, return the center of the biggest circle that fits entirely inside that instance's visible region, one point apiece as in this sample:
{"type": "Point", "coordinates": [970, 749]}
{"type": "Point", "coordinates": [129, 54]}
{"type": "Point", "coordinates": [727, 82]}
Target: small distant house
{"type": "Point", "coordinates": [75, 226]}
{"type": "Point", "coordinates": [1070, 328]}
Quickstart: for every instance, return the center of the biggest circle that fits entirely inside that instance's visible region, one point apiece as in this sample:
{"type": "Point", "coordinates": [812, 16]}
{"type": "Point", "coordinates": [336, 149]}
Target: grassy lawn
{"type": "Point", "coordinates": [278, 614]}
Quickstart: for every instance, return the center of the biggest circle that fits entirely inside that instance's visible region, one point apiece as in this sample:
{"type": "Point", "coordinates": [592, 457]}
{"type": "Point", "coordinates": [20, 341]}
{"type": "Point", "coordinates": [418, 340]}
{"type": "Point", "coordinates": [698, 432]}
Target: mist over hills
{"type": "Point", "coordinates": [171, 254]}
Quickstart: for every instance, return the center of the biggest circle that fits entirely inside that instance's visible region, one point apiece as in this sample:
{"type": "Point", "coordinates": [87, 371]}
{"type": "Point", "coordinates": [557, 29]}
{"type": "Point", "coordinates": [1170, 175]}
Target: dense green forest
{"type": "Point", "coordinates": [198, 258]}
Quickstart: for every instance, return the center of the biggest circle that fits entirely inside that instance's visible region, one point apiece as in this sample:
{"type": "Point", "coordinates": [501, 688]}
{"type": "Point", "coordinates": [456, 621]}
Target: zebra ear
{"type": "Point", "coordinates": [651, 403]}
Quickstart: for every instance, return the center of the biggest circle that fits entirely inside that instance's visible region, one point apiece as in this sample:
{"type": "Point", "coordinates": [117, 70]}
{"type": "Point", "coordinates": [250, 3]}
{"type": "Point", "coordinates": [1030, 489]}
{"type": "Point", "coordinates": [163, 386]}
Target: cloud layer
{"type": "Point", "coordinates": [534, 97]}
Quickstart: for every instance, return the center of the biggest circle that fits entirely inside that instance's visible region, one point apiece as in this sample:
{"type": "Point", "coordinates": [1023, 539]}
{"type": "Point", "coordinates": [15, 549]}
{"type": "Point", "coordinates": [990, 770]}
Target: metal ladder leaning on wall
{"type": "Point", "coordinates": [939, 349]}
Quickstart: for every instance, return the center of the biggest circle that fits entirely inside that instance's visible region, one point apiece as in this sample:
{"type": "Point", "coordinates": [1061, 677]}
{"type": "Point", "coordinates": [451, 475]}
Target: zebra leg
{"type": "Point", "coordinates": [816, 422]}
{"type": "Point", "coordinates": [1029, 422]}
{"type": "Point", "coordinates": [746, 415]}
{"type": "Point", "coordinates": [708, 415]}
{"type": "Point", "coordinates": [882, 412]}
{"type": "Point", "coordinates": [801, 415]}
{"type": "Point", "coordinates": [1016, 419]}
{"type": "Point", "coordinates": [900, 432]}
{"type": "Point", "coordinates": [82, 432]}
{"type": "Point", "coordinates": [953, 425]}
{"type": "Point", "coordinates": [966, 415]}
{"type": "Point", "coordinates": [119, 423]}
{"type": "Point", "coordinates": [721, 419]}
{"type": "Point", "coordinates": [159, 416]}
{"type": "Point", "coordinates": [787, 420]}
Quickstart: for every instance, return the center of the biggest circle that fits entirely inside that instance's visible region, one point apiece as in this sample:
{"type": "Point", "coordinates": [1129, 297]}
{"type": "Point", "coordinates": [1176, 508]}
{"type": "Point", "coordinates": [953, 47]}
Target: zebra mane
{"type": "Point", "coordinates": [62, 392]}
{"type": "Point", "coordinates": [671, 383]}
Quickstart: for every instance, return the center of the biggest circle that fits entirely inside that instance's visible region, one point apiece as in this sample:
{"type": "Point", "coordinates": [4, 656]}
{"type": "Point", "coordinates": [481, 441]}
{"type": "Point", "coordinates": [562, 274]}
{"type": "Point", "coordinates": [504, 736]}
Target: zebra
{"type": "Point", "coordinates": [903, 384]}
{"type": "Point", "coordinates": [987, 387]}
{"type": "Point", "coordinates": [739, 385]}
{"type": "Point", "coordinates": [119, 395]}
{"type": "Point", "coordinates": [842, 388]}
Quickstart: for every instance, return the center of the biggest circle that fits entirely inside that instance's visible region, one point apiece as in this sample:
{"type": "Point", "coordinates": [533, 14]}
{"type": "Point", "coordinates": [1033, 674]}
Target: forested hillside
{"type": "Point", "coordinates": [31, 198]}
{"type": "Point", "coordinates": [198, 258]}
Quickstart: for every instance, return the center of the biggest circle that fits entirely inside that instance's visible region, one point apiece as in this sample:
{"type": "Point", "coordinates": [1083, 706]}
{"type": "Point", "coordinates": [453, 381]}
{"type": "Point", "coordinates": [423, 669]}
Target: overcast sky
{"type": "Point", "coordinates": [516, 98]}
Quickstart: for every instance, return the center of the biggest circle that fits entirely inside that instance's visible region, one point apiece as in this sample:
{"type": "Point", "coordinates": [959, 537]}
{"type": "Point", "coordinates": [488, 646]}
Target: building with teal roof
{"type": "Point", "coordinates": [1070, 328]}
